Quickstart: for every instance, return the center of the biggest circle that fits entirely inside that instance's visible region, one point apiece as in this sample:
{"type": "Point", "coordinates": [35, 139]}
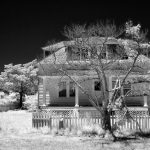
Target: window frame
{"type": "Point", "coordinates": [78, 56]}
{"type": "Point", "coordinates": [67, 88]}
{"type": "Point", "coordinates": [96, 85]}
{"type": "Point", "coordinates": [122, 88]}
{"type": "Point", "coordinates": [59, 84]}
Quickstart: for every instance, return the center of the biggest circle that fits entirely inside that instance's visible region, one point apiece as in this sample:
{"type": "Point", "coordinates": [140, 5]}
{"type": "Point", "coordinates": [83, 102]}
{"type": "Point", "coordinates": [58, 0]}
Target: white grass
{"type": "Point", "coordinates": [16, 122]}
{"type": "Point", "coordinates": [17, 134]}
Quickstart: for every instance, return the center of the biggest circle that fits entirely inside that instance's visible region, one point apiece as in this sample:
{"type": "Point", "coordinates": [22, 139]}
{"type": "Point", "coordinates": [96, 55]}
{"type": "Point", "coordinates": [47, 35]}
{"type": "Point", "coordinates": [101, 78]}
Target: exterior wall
{"type": "Point", "coordinates": [54, 99]}
{"type": "Point", "coordinates": [51, 90]}
{"type": "Point", "coordinates": [134, 100]}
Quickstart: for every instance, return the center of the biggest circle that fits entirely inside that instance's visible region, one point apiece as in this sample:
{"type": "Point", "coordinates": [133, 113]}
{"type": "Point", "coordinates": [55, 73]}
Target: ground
{"type": "Point", "coordinates": [16, 133]}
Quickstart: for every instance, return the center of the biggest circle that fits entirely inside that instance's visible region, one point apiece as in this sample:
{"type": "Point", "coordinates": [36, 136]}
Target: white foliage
{"type": "Point", "coordinates": [133, 30]}
{"type": "Point", "coordinates": [15, 76]}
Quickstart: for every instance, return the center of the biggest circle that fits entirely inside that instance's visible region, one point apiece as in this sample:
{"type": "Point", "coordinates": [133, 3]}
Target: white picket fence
{"type": "Point", "coordinates": [76, 119]}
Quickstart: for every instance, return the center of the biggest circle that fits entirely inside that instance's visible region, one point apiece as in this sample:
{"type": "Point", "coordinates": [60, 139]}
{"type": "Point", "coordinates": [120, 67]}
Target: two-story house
{"type": "Point", "coordinates": [57, 89]}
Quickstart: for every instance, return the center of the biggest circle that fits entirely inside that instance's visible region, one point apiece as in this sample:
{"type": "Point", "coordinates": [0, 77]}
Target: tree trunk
{"type": "Point", "coordinates": [105, 120]}
{"type": "Point", "coordinates": [106, 125]}
{"type": "Point", "coordinates": [21, 100]}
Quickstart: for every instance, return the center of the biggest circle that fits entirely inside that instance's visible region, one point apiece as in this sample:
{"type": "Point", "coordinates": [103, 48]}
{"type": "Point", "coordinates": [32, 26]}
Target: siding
{"type": "Point", "coordinates": [52, 88]}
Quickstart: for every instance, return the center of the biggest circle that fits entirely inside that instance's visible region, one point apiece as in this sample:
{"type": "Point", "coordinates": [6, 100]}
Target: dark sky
{"type": "Point", "coordinates": [26, 27]}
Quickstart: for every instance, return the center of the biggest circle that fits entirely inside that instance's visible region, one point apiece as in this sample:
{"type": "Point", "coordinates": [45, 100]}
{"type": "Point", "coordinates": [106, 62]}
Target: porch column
{"type": "Point", "coordinates": [76, 96]}
{"type": "Point", "coordinates": [145, 101]}
{"type": "Point", "coordinates": [44, 91]}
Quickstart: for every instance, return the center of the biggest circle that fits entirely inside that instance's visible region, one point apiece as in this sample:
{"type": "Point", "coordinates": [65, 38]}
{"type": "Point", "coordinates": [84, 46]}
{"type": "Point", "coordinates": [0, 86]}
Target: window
{"type": "Point", "coordinates": [72, 89]}
{"type": "Point", "coordinates": [126, 88]}
{"type": "Point", "coordinates": [47, 53]}
{"type": "Point", "coordinates": [112, 48]}
{"type": "Point", "coordinates": [97, 86]}
{"type": "Point", "coordinates": [62, 89]}
{"type": "Point", "coordinates": [66, 89]}
{"type": "Point", "coordinates": [74, 53]}
{"type": "Point", "coordinates": [125, 56]}
{"type": "Point", "coordinates": [116, 85]}
{"type": "Point", "coordinates": [103, 52]}
{"type": "Point", "coordinates": [147, 54]}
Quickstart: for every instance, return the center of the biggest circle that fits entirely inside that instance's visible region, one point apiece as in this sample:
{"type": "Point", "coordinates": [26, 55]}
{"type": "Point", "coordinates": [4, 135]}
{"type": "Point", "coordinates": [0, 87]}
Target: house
{"type": "Point", "coordinates": [57, 89]}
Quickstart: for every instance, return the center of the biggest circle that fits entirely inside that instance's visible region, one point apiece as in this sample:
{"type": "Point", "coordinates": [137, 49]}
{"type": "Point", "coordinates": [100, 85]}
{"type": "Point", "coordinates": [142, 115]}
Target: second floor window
{"type": "Point", "coordinates": [74, 53]}
{"type": "Point", "coordinates": [47, 53]}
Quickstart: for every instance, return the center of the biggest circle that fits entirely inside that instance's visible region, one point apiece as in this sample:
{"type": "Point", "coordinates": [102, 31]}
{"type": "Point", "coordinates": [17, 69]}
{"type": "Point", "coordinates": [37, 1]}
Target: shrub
{"type": "Point", "coordinates": [31, 102]}
{"type": "Point", "coordinates": [92, 130]}
{"type": "Point", "coordinates": [45, 130]}
{"type": "Point", "coordinates": [6, 99]}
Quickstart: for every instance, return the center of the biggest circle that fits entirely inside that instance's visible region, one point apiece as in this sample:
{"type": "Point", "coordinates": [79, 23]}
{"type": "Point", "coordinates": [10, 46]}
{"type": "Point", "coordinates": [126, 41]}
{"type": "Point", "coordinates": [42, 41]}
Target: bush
{"type": "Point", "coordinates": [92, 130]}
{"type": "Point", "coordinates": [31, 102]}
{"type": "Point", "coordinates": [6, 99]}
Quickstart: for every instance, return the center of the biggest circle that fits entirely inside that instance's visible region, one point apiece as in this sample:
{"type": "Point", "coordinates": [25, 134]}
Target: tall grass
{"type": "Point", "coordinates": [16, 122]}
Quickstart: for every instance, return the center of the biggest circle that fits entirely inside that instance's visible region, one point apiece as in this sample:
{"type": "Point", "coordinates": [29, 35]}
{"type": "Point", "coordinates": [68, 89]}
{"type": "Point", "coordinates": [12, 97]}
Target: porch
{"type": "Point", "coordinates": [52, 93]}
{"type": "Point", "coordinates": [77, 116]}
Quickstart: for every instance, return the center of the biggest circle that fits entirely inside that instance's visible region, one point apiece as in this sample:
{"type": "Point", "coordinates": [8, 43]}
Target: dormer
{"type": "Point", "coordinates": [80, 49]}
{"type": "Point", "coordinates": [50, 49]}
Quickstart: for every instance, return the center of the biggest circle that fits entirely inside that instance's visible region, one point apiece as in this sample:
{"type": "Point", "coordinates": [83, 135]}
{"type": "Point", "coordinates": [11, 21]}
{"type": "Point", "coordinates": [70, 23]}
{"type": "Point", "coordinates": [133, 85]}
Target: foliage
{"type": "Point", "coordinates": [20, 78]}
{"type": "Point", "coordinates": [8, 99]}
{"type": "Point", "coordinates": [30, 102]}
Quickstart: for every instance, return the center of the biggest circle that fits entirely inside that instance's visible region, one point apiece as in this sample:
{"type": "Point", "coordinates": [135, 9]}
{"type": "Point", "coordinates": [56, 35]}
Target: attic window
{"type": "Point", "coordinates": [112, 48]}
{"type": "Point", "coordinates": [147, 54]}
{"type": "Point", "coordinates": [74, 53]}
{"type": "Point", "coordinates": [46, 53]}
{"type": "Point", "coordinates": [103, 52]}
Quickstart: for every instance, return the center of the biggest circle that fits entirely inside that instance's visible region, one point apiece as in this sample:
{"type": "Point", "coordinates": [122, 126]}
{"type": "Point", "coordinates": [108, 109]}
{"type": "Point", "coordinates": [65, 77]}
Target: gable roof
{"type": "Point", "coordinates": [91, 40]}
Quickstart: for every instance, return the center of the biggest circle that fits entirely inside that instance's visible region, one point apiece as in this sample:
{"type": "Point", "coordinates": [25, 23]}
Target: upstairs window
{"type": "Point", "coordinates": [47, 53]}
{"type": "Point", "coordinates": [97, 86]}
{"type": "Point", "coordinates": [103, 52]}
{"type": "Point", "coordinates": [62, 89]}
{"type": "Point", "coordinates": [147, 53]}
{"type": "Point", "coordinates": [112, 48]}
{"type": "Point", "coordinates": [74, 53]}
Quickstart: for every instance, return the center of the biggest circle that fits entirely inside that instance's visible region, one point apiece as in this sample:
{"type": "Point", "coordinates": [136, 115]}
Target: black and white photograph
{"type": "Point", "coordinates": [74, 75]}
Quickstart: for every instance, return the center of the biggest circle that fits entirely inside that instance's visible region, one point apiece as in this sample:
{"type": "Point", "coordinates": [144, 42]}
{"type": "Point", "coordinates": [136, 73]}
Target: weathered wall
{"type": "Point", "coordinates": [53, 89]}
